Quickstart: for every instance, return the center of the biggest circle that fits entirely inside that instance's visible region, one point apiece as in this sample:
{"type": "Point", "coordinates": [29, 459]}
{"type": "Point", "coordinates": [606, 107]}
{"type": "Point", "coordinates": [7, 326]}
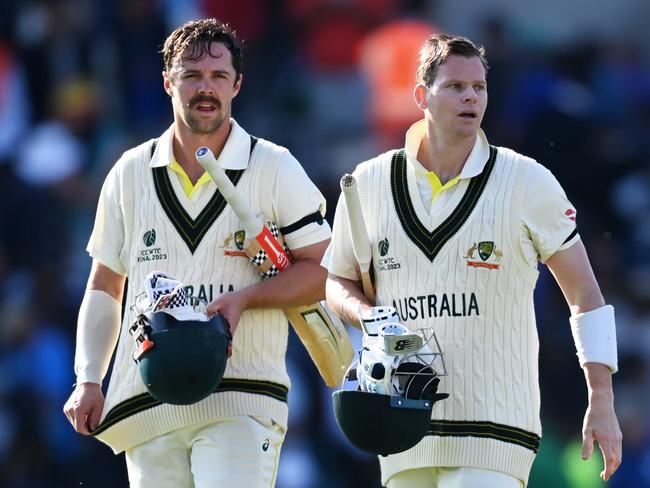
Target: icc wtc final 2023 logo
{"type": "Point", "coordinates": [150, 253]}
{"type": "Point", "coordinates": [149, 238]}
{"type": "Point", "coordinates": [386, 263]}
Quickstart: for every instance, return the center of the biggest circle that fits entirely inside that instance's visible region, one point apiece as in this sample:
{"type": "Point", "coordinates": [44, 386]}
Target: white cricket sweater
{"type": "Point", "coordinates": [463, 272]}
{"type": "Point", "coordinates": [194, 242]}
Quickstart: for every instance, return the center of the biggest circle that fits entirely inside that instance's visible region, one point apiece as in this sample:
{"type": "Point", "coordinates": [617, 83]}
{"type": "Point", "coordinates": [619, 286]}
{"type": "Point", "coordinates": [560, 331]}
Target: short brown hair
{"type": "Point", "coordinates": [197, 36]}
{"type": "Point", "coordinates": [438, 48]}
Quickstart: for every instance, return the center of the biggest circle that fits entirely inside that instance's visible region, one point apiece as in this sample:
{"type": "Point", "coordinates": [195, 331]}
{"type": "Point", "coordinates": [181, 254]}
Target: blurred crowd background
{"type": "Point", "coordinates": [80, 82]}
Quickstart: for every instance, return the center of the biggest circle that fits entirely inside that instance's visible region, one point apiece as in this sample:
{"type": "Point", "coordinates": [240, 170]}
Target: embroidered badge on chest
{"type": "Point", "coordinates": [150, 252]}
{"type": "Point", "coordinates": [233, 244]}
{"type": "Point", "coordinates": [483, 254]}
{"type": "Point", "coordinates": [386, 262]}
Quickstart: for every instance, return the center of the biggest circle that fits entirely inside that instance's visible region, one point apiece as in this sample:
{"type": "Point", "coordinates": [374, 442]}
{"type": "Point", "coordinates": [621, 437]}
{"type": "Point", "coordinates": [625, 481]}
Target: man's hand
{"type": "Point", "coordinates": [346, 299]}
{"type": "Point", "coordinates": [600, 423]}
{"type": "Point", "coordinates": [231, 305]}
{"type": "Point", "coordinates": [573, 273]}
{"type": "Point", "coordinates": [84, 407]}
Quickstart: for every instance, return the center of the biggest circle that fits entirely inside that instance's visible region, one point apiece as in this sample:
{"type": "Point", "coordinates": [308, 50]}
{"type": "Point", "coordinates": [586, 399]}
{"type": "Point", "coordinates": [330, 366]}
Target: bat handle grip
{"type": "Point", "coordinates": [251, 223]}
{"type": "Point", "coordinates": [368, 288]}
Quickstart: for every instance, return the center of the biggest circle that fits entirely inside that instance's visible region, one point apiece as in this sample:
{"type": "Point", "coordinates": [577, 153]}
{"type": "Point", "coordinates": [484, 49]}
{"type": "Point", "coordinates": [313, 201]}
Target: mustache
{"type": "Point", "coordinates": [203, 98]}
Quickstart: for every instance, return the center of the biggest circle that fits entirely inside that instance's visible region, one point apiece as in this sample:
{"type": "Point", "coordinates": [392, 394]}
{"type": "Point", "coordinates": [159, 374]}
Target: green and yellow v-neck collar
{"type": "Point", "coordinates": [430, 242]}
{"type": "Point", "coordinates": [192, 230]}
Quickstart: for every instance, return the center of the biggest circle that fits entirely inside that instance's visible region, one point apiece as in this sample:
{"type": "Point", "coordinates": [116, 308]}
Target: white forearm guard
{"type": "Point", "coordinates": [594, 334]}
{"type": "Point", "coordinates": [98, 327]}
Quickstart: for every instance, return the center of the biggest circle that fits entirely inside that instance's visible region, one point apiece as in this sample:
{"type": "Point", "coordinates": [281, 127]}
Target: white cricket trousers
{"type": "Point", "coordinates": [233, 452]}
{"type": "Point", "coordinates": [461, 477]}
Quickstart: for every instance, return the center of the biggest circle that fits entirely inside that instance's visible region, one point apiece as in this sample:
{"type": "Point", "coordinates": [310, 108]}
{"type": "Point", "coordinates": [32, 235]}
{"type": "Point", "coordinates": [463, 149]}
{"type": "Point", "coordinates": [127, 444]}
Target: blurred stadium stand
{"type": "Point", "coordinates": [80, 82]}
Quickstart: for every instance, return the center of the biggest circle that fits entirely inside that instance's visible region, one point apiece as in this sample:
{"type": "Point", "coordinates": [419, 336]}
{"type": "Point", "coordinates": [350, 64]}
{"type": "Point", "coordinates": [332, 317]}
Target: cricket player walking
{"type": "Point", "coordinates": [457, 227]}
{"type": "Point", "coordinates": [160, 211]}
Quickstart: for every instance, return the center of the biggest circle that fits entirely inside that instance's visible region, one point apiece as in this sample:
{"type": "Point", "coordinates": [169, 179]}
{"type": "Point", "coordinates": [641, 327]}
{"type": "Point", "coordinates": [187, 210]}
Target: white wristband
{"type": "Point", "coordinates": [594, 334]}
{"type": "Point", "coordinates": [98, 327]}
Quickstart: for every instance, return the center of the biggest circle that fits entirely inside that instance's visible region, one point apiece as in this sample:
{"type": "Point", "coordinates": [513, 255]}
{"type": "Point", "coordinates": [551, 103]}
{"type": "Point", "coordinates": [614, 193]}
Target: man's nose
{"type": "Point", "coordinates": [206, 87]}
{"type": "Point", "coordinates": [470, 95]}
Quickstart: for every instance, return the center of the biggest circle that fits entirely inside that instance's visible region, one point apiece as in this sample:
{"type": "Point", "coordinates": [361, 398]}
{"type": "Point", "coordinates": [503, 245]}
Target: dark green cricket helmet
{"type": "Point", "coordinates": [381, 424]}
{"type": "Point", "coordinates": [181, 361]}
{"type": "Point", "coordinates": [387, 424]}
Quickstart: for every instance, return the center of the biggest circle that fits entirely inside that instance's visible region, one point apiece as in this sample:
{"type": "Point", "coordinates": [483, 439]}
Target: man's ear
{"type": "Point", "coordinates": [420, 94]}
{"type": "Point", "coordinates": [237, 86]}
{"type": "Point", "coordinates": [167, 83]}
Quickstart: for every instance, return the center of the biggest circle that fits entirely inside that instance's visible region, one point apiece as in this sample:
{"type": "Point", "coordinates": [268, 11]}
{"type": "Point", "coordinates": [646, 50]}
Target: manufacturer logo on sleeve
{"type": "Point", "coordinates": [488, 253]}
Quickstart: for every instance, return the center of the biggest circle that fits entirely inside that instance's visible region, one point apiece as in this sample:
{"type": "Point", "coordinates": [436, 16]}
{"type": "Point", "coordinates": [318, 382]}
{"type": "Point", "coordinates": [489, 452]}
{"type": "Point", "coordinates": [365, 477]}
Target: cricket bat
{"type": "Point", "coordinates": [321, 332]}
{"type": "Point", "coordinates": [358, 232]}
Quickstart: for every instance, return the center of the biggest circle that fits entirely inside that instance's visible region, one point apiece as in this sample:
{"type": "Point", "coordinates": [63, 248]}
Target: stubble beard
{"type": "Point", "coordinates": [202, 125]}
{"type": "Point", "coordinates": [199, 126]}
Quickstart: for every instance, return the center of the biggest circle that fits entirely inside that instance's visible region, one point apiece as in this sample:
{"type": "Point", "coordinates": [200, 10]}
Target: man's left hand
{"type": "Point", "coordinates": [600, 424]}
{"type": "Point", "coordinates": [231, 305]}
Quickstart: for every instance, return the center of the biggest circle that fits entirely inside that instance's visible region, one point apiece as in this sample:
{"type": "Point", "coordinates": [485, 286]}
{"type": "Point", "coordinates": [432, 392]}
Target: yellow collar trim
{"type": "Point", "coordinates": [188, 187]}
{"type": "Point", "coordinates": [436, 186]}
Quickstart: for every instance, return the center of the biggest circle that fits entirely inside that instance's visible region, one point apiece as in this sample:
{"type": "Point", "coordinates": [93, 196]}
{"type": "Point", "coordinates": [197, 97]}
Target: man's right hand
{"type": "Point", "coordinates": [84, 407]}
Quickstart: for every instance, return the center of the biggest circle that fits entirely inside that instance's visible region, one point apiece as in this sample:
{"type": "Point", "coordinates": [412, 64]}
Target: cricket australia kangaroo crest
{"type": "Point", "coordinates": [487, 251]}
